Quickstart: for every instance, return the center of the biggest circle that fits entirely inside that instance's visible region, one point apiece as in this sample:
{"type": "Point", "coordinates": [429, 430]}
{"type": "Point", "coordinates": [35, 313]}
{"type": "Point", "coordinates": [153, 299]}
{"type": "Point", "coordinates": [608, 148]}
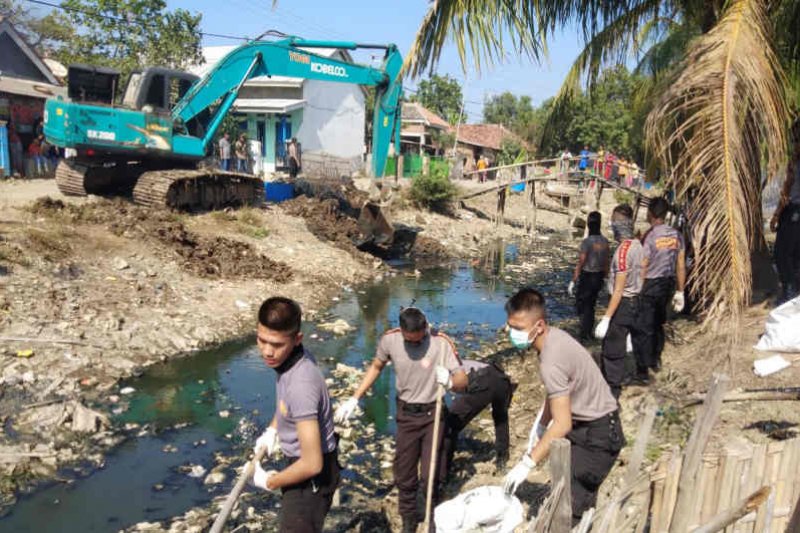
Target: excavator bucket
{"type": "Point", "coordinates": [374, 226]}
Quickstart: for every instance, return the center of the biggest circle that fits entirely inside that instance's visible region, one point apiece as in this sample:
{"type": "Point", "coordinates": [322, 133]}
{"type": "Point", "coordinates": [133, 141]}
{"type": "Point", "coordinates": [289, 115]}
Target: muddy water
{"type": "Point", "coordinates": [176, 418]}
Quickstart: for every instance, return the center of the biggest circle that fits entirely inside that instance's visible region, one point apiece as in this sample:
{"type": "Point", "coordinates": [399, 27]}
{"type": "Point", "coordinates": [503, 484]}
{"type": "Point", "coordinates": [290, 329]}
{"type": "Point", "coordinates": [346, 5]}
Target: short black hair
{"type": "Point", "coordinates": [593, 221]}
{"type": "Point", "coordinates": [624, 210]}
{"type": "Point", "coordinates": [658, 208]}
{"type": "Point", "coordinates": [412, 320]}
{"type": "Point", "coordinates": [281, 314]}
{"type": "Point", "coordinates": [526, 299]}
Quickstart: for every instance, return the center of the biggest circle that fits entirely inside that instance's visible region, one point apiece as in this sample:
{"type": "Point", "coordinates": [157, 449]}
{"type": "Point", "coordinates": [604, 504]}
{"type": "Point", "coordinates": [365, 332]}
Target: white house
{"type": "Point", "coordinates": [326, 117]}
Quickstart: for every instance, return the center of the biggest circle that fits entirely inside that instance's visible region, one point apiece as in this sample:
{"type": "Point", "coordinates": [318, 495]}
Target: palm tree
{"type": "Point", "coordinates": [718, 79]}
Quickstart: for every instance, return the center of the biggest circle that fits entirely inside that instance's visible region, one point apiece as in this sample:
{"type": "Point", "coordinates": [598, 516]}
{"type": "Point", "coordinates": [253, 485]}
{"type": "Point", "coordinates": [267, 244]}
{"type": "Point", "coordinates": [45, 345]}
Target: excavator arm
{"type": "Point", "coordinates": [294, 58]}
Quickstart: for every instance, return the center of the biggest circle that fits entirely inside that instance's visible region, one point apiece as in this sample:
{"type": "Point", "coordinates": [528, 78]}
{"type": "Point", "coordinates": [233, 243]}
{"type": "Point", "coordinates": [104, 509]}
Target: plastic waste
{"type": "Point", "coordinates": [486, 509]}
{"type": "Point", "coordinates": [782, 330]}
{"type": "Point", "coordinates": [769, 365]}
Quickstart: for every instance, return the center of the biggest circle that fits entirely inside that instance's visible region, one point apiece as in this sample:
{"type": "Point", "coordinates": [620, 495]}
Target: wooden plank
{"type": "Point", "coordinates": [758, 478]}
{"type": "Point", "coordinates": [657, 499]}
{"type": "Point", "coordinates": [640, 525]}
{"type": "Point", "coordinates": [730, 516]}
{"type": "Point", "coordinates": [794, 521]}
{"type": "Point", "coordinates": [642, 438]}
{"type": "Point", "coordinates": [701, 432]}
{"type": "Point", "coordinates": [671, 490]}
{"type": "Point", "coordinates": [705, 488]}
{"type": "Point", "coordinates": [711, 497]}
{"type": "Point", "coordinates": [560, 471]}
{"type": "Point", "coordinates": [728, 466]}
{"type": "Point", "coordinates": [792, 487]}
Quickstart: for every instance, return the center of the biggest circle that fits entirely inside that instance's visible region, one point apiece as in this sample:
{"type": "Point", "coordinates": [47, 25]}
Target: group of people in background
{"type": "Point", "coordinates": [644, 277]}
{"type": "Point", "coordinates": [42, 155]}
{"type": "Point", "coordinates": [236, 157]}
{"type": "Point", "coordinates": [618, 168]}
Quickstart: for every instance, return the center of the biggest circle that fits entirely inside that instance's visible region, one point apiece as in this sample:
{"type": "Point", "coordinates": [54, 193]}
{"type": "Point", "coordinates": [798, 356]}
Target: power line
{"type": "Point", "coordinates": [127, 21]}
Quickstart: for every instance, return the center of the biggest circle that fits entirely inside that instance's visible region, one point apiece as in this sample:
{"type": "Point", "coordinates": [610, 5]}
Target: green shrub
{"type": "Point", "coordinates": [435, 191]}
{"type": "Point", "coordinates": [623, 197]}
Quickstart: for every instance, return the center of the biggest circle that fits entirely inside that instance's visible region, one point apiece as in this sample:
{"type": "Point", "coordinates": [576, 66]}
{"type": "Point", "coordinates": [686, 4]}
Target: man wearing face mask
{"type": "Point", "coordinates": [423, 360]}
{"type": "Point", "coordinates": [663, 264]}
{"type": "Point", "coordinates": [579, 404]}
{"type": "Point", "coordinates": [620, 319]}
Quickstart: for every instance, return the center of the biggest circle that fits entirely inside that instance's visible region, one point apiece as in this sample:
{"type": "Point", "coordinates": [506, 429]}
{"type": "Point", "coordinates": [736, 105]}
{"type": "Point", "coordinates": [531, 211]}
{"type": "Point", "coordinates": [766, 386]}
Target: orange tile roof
{"type": "Point", "coordinates": [486, 135]}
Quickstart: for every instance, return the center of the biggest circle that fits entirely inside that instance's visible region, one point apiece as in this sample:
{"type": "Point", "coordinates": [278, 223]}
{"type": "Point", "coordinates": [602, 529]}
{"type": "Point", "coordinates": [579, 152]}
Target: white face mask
{"type": "Point", "coordinates": [519, 339]}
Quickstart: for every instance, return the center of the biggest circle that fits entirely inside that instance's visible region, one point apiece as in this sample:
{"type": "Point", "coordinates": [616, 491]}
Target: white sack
{"type": "Point", "coordinates": [782, 329]}
{"type": "Point", "coordinates": [486, 509]}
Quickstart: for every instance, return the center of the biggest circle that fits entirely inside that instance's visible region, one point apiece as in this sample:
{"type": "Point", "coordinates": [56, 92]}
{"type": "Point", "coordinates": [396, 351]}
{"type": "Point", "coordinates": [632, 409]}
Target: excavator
{"type": "Point", "coordinates": [156, 143]}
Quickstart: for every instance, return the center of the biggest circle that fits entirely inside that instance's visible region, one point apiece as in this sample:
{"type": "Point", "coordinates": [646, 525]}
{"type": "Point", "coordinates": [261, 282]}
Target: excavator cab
{"type": "Point", "coordinates": [159, 89]}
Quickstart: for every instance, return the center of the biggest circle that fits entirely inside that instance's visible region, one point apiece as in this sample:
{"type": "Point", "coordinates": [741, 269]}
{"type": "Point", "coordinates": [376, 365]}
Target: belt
{"type": "Point", "coordinates": [610, 418]}
{"type": "Point", "coordinates": [416, 408]}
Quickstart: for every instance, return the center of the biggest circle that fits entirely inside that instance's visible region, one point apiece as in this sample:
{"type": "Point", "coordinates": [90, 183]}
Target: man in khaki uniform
{"type": "Point", "coordinates": [423, 359]}
{"type": "Point", "coordinates": [579, 405]}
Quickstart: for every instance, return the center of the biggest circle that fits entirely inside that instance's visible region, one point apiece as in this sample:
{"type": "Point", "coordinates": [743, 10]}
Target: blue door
{"type": "Point", "coordinates": [283, 132]}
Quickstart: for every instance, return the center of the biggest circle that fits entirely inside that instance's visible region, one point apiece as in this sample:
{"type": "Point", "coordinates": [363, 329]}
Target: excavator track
{"type": "Point", "coordinates": [75, 178]}
{"type": "Point", "coordinates": [197, 190]}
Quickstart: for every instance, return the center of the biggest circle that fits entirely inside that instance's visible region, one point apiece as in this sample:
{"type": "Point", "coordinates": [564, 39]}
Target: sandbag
{"type": "Point", "coordinates": [486, 509]}
{"type": "Point", "coordinates": [782, 329]}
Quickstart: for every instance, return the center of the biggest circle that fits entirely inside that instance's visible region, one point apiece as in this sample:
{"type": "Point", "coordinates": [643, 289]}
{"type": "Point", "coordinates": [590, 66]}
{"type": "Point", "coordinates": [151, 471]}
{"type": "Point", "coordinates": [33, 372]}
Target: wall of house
{"type": "Point", "coordinates": [333, 119]}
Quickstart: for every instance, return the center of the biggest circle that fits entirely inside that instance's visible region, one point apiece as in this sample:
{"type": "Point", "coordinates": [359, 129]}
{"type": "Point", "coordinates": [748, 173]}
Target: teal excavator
{"type": "Point", "coordinates": [157, 141]}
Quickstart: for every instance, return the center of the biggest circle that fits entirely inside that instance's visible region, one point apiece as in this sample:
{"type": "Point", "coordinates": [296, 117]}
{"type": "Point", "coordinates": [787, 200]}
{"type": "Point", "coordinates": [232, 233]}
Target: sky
{"type": "Point", "coordinates": [384, 21]}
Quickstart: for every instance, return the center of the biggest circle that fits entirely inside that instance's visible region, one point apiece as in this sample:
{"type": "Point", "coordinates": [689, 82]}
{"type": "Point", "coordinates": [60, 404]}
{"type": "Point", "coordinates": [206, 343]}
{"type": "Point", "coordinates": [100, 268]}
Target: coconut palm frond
{"type": "Point", "coordinates": [724, 108]}
{"type": "Point", "coordinates": [477, 28]}
{"type": "Point", "coordinates": [667, 52]}
{"type": "Point", "coordinates": [610, 46]}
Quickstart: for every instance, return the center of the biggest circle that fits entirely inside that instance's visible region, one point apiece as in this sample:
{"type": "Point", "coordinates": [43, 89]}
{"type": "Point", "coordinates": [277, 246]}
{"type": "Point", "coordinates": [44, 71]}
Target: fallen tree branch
{"type": "Point", "coordinates": [49, 341]}
{"type": "Point", "coordinates": [765, 396]}
{"type": "Point", "coordinates": [728, 517]}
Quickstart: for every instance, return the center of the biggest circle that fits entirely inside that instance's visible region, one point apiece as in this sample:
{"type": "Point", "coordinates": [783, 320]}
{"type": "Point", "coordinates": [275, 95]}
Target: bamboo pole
{"type": "Point", "coordinates": [230, 501]}
{"type": "Point", "coordinates": [729, 516]}
{"type": "Point", "coordinates": [776, 396]}
{"type": "Point", "coordinates": [433, 461]}
{"type": "Point", "coordinates": [701, 432]}
{"type": "Point", "coordinates": [642, 438]}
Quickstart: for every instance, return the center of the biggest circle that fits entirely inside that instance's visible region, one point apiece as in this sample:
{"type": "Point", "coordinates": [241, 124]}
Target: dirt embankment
{"type": "Point", "coordinates": [93, 290]}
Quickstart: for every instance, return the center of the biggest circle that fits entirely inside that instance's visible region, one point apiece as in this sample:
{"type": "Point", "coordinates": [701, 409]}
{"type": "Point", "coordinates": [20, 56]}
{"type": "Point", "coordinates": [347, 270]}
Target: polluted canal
{"type": "Point", "coordinates": [182, 414]}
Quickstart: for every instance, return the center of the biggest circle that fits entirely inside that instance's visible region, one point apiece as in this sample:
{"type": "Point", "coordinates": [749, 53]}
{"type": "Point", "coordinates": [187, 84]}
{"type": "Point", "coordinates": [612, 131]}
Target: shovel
{"type": "Point", "coordinates": [434, 450]}
{"type": "Point", "coordinates": [246, 474]}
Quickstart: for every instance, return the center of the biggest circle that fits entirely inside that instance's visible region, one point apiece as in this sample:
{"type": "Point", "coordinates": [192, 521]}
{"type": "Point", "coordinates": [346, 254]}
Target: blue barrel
{"type": "Point", "coordinates": [276, 191]}
{"type": "Point", "coordinates": [518, 187]}
{"type": "Point", "coordinates": [5, 156]}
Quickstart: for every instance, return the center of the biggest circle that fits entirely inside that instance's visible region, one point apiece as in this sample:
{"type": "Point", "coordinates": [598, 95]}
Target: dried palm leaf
{"type": "Point", "coordinates": [724, 111]}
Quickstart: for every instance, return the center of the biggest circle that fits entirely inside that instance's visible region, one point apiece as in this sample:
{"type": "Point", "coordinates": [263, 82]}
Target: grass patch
{"type": "Point", "coordinates": [623, 197]}
{"type": "Point", "coordinates": [51, 244]}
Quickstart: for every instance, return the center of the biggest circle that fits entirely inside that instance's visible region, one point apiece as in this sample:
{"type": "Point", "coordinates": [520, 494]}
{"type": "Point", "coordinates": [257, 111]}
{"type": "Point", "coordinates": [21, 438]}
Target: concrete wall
{"type": "Point", "coordinates": [332, 119]}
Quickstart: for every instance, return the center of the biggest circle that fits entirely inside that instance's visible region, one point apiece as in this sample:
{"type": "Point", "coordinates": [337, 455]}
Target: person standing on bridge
{"type": "Point", "coordinates": [241, 153]}
{"type": "Point", "coordinates": [583, 164]}
{"type": "Point", "coordinates": [591, 270]}
{"type": "Point", "coordinates": [579, 405]}
{"type": "Point", "coordinates": [302, 425]}
{"type": "Point", "coordinates": [423, 361]}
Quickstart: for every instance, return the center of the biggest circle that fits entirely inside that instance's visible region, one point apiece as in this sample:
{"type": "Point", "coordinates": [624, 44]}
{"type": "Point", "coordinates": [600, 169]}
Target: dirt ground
{"type": "Point", "coordinates": [98, 289]}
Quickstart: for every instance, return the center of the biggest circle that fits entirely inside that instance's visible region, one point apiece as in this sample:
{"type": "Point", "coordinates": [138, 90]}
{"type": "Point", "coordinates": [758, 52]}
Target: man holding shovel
{"type": "Point", "coordinates": [302, 425]}
{"type": "Point", "coordinates": [424, 360]}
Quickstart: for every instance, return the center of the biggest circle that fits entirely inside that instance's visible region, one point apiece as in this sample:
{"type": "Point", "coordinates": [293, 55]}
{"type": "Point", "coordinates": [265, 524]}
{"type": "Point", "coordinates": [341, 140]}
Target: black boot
{"type": "Point", "coordinates": [501, 461]}
{"type": "Point", "coordinates": [410, 524]}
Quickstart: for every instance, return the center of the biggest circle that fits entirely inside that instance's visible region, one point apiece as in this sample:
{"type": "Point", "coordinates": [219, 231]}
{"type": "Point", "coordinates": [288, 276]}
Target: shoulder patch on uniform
{"type": "Point", "coordinates": [622, 258]}
{"type": "Point", "coordinates": [437, 333]}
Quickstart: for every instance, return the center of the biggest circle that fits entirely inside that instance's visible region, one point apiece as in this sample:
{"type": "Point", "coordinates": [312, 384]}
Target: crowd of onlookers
{"type": "Point", "coordinates": [34, 159]}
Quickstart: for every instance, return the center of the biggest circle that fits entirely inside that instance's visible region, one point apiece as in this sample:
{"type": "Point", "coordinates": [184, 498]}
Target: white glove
{"type": "Point", "coordinates": [518, 474]}
{"type": "Point", "coordinates": [628, 344]}
{"type": "Point", "coordinates": [602, 328]}
{"type": "Point", "coordinates": [571, 289]}
{"type": "Point", "coordinates": [443, 377]}
{"type": "Point", "coordinates": [345, 411]}
{"type": "Point", "coordinates": [537, 432]}
{"type": "Point", "coordinates": [261, 476]}
{"type": "Point", "coordinates": [267, 440]}
{"type": "Point", "coordinates": [678, 302]}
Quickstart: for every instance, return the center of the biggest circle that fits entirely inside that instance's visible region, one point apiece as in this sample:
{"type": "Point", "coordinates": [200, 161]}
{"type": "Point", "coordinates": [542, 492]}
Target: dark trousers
{"type": "Point", "coordinates": [589, 285]}
{"type": "Point", "coordinates": [293, 167]}
{"type": "Point", "coordinates": [413, 453]}
{"type": "Point", "coordinates": [594, 448]}
{"type": "Point", "coordinates": [787, 252]}
{"type": "Point", "coordinates": [623, 323]}
{"type": "Point", "coordinates": [654, 298]}
{"type": "Point", "coordinates": [305, 505]}
{"type": "Point", "coordinates": [487, 386]}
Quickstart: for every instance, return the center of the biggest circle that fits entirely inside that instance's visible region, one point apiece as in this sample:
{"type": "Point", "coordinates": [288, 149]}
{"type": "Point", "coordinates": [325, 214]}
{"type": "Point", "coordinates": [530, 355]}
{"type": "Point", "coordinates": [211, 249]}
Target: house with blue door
{"type": "Point", "coordinates": [326, 117]}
